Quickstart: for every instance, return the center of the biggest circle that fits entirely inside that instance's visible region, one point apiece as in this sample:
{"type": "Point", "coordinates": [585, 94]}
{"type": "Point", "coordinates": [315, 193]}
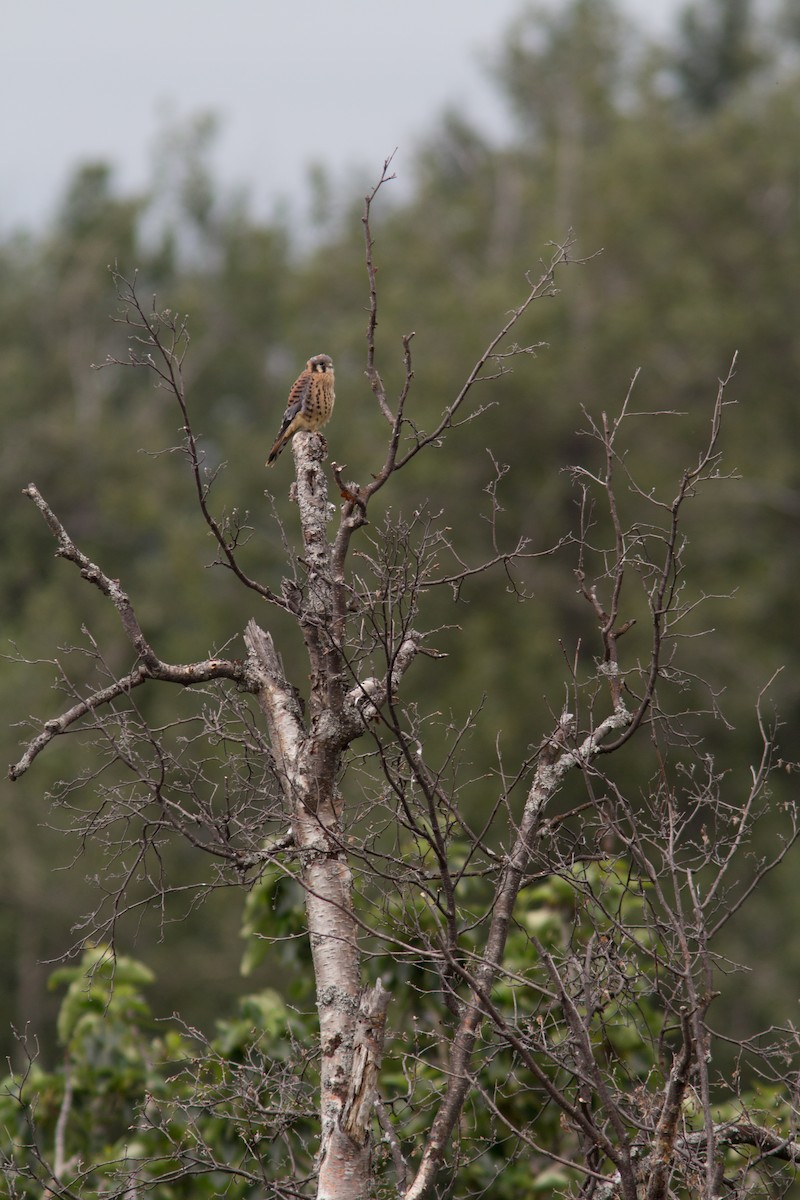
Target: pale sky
{"type": "Point", "coordinates": [338, 82]}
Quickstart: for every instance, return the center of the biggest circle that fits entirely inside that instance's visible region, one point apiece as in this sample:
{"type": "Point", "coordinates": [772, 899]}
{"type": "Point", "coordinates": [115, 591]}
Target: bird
{"type": "Point", "coordinates": [310, 402]}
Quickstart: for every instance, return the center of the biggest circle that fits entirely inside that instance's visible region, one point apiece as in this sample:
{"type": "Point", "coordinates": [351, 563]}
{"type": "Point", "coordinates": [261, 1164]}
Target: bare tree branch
{"type": "Point", "coordinates": [149, 666]}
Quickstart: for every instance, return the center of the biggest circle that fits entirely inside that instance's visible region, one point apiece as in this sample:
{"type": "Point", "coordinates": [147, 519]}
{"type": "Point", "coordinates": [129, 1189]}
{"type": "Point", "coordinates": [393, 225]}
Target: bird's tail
{"type": "Point", "coordinates": [275, 451]}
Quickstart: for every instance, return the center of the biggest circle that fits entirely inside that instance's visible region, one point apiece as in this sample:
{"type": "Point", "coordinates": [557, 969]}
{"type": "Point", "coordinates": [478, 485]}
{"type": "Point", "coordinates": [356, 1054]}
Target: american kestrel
{"type": "Point", "coordinates": [310, 402]}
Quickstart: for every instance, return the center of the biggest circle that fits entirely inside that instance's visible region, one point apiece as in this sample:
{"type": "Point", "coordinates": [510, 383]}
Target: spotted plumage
{"type": "Point", "coordinates": [310, 402]}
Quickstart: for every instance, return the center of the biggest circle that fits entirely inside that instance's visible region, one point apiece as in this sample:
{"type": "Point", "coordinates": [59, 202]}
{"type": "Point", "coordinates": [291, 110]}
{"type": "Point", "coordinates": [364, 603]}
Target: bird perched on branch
{"type": "Point", "coordinates": [310, 402]}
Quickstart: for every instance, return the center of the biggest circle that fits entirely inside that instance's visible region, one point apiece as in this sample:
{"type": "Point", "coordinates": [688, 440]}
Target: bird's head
{"type": "Point", "coordinates": [320, 363]}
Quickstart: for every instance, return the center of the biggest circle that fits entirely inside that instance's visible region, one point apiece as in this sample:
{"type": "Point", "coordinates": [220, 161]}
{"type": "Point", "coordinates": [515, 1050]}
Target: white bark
{"type": "Point", "coordinates": [308, 758]}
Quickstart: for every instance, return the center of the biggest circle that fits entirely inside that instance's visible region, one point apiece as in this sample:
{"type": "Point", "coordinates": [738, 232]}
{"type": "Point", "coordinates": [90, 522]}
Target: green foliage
{"type": "Point", "coordinates": [101, 993]}
{"type": "Point", "coordinates": [717, 52]}
{"type": "Point", "coordinates": [273, 923]}
{"type": "Point", "coordinates": [562, 70]}
{"type": "Point", "coordinates": [134, 1097]}
{"type": "Point", "coordinates": [112, 1061]}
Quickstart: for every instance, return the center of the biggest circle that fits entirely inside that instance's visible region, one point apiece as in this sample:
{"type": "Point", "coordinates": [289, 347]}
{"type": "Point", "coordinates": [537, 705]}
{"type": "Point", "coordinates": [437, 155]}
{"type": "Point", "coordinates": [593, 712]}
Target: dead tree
{"type": "Point", "coordinates": [647, 881]}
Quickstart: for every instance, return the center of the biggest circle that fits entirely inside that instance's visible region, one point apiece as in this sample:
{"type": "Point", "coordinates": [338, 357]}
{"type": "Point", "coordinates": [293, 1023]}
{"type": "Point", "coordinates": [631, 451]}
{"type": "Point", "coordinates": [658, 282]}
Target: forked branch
{"type": "Point", "coordinates": [148, 665]}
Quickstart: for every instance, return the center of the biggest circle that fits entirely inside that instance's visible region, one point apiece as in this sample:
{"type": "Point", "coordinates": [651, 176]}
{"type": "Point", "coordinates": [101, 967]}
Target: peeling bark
{"type": "Point", "coordinates": [308, 760]}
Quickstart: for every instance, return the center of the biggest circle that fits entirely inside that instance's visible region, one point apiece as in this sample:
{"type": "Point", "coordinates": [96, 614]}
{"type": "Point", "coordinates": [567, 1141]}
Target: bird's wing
{"type": "Point", "coordinates": [297, 397]}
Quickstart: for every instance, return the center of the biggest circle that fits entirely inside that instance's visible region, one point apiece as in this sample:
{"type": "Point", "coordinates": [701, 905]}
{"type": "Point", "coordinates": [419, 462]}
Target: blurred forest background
{"type": "Point", "coordinates": [679, 162]}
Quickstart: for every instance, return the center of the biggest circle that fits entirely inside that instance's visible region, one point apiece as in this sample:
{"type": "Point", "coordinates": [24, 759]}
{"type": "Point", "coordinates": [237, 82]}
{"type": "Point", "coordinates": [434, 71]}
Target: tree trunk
{"type": "Point", "coordinates": [308, 762]}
